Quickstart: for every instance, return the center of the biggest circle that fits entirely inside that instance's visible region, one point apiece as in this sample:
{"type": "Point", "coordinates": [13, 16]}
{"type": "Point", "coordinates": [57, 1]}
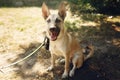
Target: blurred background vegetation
{"type": "Point", "coordinates": [28, 3]}
{"type": "Point", "coordinates": [99, 6]}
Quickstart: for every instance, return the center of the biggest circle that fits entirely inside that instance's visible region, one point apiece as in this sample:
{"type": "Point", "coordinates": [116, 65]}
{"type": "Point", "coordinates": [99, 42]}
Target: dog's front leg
{"type": "Point", "coordinates": [52, 63]}
{"type": "Point", "coordinates": [66, 70]}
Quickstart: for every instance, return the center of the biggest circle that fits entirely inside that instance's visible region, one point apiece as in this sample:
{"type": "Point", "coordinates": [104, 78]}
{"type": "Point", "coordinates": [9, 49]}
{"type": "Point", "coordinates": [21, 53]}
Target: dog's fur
{"type": "Point", "coordinates": [61, 42]}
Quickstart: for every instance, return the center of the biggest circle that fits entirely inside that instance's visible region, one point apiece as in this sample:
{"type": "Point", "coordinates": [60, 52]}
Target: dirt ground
{"type": "Point", "coordinates": [21, 32]}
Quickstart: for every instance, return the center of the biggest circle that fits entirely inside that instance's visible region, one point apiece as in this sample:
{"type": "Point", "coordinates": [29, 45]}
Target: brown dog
{"type": "Point", "coordinates": [61, 42]}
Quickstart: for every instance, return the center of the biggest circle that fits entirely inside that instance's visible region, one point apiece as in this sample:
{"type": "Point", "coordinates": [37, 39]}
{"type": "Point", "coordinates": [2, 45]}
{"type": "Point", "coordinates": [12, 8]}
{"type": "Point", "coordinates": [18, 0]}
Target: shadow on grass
{"type": "Point", "coordinates": [27, 70]}
{"type": "Point", "coordinates": [33, 68]}
{"type": "Point", "coordinates": [104, 65]}
{"type": "Point", "coordinates": [106, 41]}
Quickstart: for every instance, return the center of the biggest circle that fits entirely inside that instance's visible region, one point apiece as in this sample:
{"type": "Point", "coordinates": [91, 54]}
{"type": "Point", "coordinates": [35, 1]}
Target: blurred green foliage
{"type": "Point", "coordinates": [101, 6]}
{"type": "Point", "coordinates": [80, 6]}
{"type": "Point", "coordinates": [27, 3]}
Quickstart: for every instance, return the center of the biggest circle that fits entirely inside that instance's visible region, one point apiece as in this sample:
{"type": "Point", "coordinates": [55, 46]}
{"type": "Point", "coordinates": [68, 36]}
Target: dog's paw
{"type": "Point", "coordinates": [62, 61]}
{"type": "Point", "coordinates": [50, 68]}
{"type": "Point", "coordinates": [65, 75]}
{"type": "Point", "coordinates": [71, 74]}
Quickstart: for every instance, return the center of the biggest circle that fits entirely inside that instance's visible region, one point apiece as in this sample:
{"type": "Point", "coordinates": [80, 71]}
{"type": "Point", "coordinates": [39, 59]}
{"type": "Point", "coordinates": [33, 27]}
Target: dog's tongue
{"type": "Point", "coordinates": [53, 36]}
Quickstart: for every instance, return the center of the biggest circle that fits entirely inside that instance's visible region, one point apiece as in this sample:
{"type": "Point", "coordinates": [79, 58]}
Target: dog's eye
{"type": "Point", "coordinates": [48, 20]}
{"type": "Point", "coordinates": [57, 20]}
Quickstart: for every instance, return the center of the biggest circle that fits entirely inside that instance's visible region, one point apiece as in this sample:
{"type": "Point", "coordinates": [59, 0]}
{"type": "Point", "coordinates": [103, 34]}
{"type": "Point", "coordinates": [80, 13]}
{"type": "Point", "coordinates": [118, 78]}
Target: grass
{"type": "Point", "coordinates": [17, 26]}
{"type": "Point", "coordinates": [16, 22]}
{"type": "Point", "coordinates": [21, 32]}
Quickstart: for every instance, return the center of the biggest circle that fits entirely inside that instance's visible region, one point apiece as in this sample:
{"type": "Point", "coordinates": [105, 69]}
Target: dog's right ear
{"type": "Point", "coordinates": [45, 11]}
{"type": "Point", "coordinates": [62, 10]}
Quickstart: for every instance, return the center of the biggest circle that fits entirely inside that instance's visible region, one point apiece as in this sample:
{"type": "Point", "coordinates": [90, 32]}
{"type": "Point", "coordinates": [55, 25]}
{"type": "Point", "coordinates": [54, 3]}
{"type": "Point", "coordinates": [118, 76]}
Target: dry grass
{"type": "Point", "coordinates": [20, 25]}
{"type": "Point", "coordinates": [19, 28]}
{"type": "Point", "coordinates": [21, 32]}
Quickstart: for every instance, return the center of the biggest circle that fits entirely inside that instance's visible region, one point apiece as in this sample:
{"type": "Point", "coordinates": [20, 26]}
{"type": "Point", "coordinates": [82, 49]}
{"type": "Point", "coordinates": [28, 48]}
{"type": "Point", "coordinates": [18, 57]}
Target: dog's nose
{"type": "Point", "coordinates": [52, 29]}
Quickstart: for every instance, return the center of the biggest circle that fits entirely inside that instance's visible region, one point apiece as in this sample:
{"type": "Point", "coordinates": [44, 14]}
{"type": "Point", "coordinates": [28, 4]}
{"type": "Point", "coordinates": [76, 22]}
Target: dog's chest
{"type": "Point", "coordinates": [58, 49]}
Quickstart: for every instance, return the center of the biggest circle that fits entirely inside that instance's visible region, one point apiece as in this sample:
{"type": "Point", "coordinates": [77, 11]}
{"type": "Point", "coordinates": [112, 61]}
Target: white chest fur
{"type": "Point", "coordinates": [58, 47]}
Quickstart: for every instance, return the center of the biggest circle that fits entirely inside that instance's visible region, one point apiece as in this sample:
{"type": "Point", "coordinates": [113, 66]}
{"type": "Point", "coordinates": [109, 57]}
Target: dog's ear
{"type": "Point", "coordinates": [62, 10]}
{"type": "Point", "coordinates": [45, 11]}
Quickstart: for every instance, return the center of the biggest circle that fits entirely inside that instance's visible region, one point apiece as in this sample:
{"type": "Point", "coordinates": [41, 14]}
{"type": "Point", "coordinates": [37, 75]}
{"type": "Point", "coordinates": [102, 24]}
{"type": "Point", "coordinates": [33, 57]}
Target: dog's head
{"type": "Point", "coordinates": [55, 21]}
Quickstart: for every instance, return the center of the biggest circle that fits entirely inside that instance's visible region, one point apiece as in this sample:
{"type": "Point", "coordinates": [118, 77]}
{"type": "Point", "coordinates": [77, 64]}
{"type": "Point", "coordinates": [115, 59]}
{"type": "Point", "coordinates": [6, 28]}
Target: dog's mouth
{"type": "Point", "coordinates": [54, 32]}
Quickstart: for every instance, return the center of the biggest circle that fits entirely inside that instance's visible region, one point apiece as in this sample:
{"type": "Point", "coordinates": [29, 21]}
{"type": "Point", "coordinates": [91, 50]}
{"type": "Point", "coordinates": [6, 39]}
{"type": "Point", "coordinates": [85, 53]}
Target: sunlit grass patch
{"type": "Point", "coordinates": [113, 19]}
{"type": "Point", "coordinates": [20, 25]}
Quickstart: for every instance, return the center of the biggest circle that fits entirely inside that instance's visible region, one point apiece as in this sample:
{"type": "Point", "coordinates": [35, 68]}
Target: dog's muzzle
{"type": "Point", "coordinates": [54, 32]}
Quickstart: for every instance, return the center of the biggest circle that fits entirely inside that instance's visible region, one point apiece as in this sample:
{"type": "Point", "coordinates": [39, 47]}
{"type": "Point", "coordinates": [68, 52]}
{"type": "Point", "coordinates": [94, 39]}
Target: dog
{"type": "Point", "coordinates": [62, 43]}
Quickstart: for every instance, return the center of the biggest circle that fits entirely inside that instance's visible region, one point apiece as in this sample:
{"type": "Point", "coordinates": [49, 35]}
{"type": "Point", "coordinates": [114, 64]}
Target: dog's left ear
{"type": "Point", "coordinates": [45, 11]}
{"type": "Point", "coordinates": [62, 10]}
